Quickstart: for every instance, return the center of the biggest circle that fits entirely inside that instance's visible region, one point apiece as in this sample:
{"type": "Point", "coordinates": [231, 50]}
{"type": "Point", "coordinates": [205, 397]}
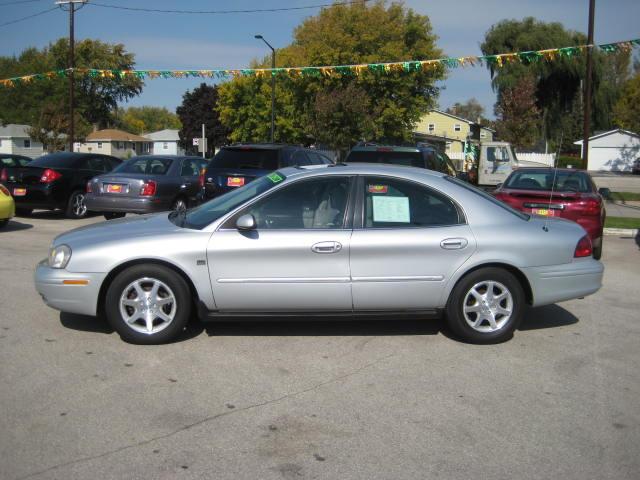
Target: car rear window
{"type": "Point", "coordinates": [56, 161]}
{"type": "Point", "coordinates": [544, 179]}
{"type": "Point", "coordinates": [246, 159]}
{"type": "Point", "coordinates": [149, 166]}
{"type": "Point", "coordinates": [13, 161]}
{"type": "Point", "coordinates": [409, 159]}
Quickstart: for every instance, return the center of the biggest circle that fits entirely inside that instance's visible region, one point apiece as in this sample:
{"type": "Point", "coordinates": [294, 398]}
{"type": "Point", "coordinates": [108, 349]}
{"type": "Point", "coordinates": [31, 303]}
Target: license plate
{"type": "Point", "coordinates": [114, 188]}
{"type": "Point", "coordinates": [235, 181]}
{"type": "Point", "coordinates": [543, 211]}
{"type": "Point", "coordinates": [19, 192]}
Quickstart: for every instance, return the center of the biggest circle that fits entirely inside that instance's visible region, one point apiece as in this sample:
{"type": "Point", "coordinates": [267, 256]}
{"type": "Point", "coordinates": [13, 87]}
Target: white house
{"type": "Point", "coordinates": [15, 139]}
{"type": "Point", "coordinates": [114, 142]}
{"type": "Point", "coordinates": [165, 142]}
{"type": "Point", "coordinates": [612, 151]}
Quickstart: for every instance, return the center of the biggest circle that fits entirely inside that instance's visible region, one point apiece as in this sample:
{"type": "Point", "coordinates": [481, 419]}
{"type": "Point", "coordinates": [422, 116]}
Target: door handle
{"type": "Point", "coordinates": [454, 243]}
{"type": "Point", "coordinates": [326, 247]}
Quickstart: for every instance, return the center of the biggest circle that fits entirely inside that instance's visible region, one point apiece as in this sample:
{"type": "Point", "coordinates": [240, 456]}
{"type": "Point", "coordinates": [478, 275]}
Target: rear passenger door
{"type": "Point", "coordinates": [408, 241]}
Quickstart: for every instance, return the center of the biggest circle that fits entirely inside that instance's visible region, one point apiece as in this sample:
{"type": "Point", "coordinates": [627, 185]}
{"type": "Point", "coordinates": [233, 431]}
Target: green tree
{"type": "Point", "coordinates": [626, 112]}
{"type": "Point", "coordinates": [518, 116]}
{"type": "Point", "coordinates": [95, 97]}
{"type": "Point", "coordinates": [146, 119]}
{"type": "Point", "coordinates": [471, 110]}
{"type": "Point", "coordinates": [198, 107]}
{"type": "Point", "coordinates": [558, 82]}
{"type": "Point", "coordinates": [339, 35]}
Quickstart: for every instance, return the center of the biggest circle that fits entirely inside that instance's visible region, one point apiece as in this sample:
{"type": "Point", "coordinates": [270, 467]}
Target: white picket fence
{"type": "Point", "coordinates": [544, 158]}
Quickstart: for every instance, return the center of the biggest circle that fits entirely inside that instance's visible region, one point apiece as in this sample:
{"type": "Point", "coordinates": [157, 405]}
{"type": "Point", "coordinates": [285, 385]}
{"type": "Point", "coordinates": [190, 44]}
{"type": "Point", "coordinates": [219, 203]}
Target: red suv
{"type": "Point", "coordinates": [575, 197]}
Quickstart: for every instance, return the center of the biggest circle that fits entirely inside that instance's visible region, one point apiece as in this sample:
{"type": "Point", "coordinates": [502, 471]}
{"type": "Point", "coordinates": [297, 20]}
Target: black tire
{"type": "Point", "coordinates": [113, 215]}
{"type": "Point", "coordinates": [597, 249]}
{"type": "Point", "coordinates": [461, 296]}
{"type": "Point", "coordinates": [4, 222]}
{"type": "Point", "coordinates": [180, 203]}
{"type": "Point", "coordinates": [76, 206]}
{"type": "Point", "coordinates": [24, 212]}
{"type": "Point", "coordinates": [131, 332]}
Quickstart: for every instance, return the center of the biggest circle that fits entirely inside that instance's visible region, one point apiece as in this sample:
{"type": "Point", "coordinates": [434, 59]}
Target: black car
{"type": "Point", "coordinates": [12, 160]}
{"type": "Point", "coordinates": [55, 181]}
{"type": "Point", "coordinates": [421, 156]}
{"type": "Point", "coordinates": [145, 184]}
{"type": "Point", "coordinates": [237, 165]}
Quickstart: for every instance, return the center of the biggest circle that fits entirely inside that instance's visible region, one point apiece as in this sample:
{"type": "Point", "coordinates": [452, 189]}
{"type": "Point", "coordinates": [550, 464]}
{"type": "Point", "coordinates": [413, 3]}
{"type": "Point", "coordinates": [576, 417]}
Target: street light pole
{"type": "Point", "coordinates": [273, 84]}
{"type": "Point", "coordinates": [72, 42]}
{"type": "Point", "coordinates": [587, 88]}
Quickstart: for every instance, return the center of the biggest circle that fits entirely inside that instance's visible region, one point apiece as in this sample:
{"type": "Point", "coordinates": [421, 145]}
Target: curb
{"type": "Point", "coordinates": [622, 232]}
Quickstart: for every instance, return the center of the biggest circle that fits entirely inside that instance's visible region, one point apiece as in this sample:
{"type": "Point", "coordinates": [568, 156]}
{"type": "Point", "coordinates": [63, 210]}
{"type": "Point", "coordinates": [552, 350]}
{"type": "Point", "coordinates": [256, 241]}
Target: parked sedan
{"type": "Point", "coordinates": [7, 206]}
{"type": "Point", "coordinates": [342, 240]}
{"type": "Point", "coordinates": [55, 181]}
{"type": "Point", "coordinates": [575, 197]}
{"type": "Point", "coordinates": [146, 184]}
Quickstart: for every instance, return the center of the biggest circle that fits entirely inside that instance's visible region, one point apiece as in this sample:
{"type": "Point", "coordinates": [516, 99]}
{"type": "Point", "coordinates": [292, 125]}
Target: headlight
{"type": "Point", "coordinates": [59, 256]}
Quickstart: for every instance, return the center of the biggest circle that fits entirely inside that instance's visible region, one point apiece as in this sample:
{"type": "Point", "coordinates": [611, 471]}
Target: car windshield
{"type": "Point", "coordinates": [245, 158]}
{"type": "Point", "coordinates": [408, 159]}
{"type": "Point", "coordinates": [542, 180]}
{"type": "Point", "coordinates": [203, 215]}
{"type": "Point", "coordinates": [488, 197]}
{"type": "Point", "coordinates": [150, 166]}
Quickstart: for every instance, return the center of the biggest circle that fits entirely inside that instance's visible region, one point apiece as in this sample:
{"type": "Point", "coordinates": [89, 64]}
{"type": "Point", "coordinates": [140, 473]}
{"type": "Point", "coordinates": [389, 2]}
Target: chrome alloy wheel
{"type": "Point", "coordinates": [488, 306]}
{"type": "Point", "coordinates": [79, 207]}
{"type": "Point", "coordinates": [148, 305]}
{"type": "Point", "coordinates": [180, 205]}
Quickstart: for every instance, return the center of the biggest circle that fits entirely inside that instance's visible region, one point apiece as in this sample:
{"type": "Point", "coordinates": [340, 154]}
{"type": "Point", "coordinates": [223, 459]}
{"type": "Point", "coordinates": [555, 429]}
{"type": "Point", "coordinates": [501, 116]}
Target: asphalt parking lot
{"type": "Point", "coordinates": [327, 400]}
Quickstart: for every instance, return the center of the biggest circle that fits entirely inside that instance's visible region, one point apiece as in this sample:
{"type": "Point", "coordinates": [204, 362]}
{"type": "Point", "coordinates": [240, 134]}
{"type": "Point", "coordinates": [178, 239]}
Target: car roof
{"type": "Point", "coordinates": [401, 171]}
{"type": "Point", "coordinates": [258, 146]}
{"type": "Point", "coordinates": [378, 148]}
{"type": "Point", "coordinates": [549, 169]}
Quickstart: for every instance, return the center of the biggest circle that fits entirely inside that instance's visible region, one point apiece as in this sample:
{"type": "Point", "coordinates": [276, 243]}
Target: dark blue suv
{"type": "Point", "coordinates": [237, 165]}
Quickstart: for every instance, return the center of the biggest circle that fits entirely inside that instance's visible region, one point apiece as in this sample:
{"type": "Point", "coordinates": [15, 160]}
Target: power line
{"type": "Point", "coordinates": [28, 17]}
{"type": "Point", "coordinates": [219, 12]}
{"type": "Point", "coordinates": [16, 2]}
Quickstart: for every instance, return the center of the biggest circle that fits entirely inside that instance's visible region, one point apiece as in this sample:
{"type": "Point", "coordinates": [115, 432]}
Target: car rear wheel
{"type": "Point", "coordinates": [76, 206]}
{"type": "Point", "coordinates": [112, 215]}
{"type": "Point", "coordinates": [179, 205]}
{"type": "Point", "coordinates": [597, 248]}
{"type": "Point", "coordinates": [24, 212]}
{"type": "Point", "coordinates": [3, 222]}
{"type": "Point", "coordinates": [148, 304]}
{"type": "Point", "coordinates": [486, 306]}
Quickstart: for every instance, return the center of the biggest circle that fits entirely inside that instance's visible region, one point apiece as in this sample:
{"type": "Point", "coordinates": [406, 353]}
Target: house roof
{"type": "Point", "coordinates": [166, 135]}
{"type": "Point", "coordinates": [110, 134]}
{"type": "Point", "coordinates": [470, 122]}
{"type": "Point", "coordinates": [606, 134]}
{"type": "Point", "coordinates": [13, 130]}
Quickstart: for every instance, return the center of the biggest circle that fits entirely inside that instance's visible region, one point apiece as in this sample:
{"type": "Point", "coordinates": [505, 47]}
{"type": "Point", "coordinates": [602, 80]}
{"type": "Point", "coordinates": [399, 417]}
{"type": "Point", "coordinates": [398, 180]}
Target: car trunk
{"type": "Point", "coordinates": [22, 176]}
{"type": "Point", "coordinates": [125, 185]}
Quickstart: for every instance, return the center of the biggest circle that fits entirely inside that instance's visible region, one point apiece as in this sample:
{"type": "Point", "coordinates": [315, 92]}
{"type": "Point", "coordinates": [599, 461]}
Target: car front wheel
{"type": "Point", "coordinates": [148, 304]}
{"type": "Point", "coordinates": [486, 306]}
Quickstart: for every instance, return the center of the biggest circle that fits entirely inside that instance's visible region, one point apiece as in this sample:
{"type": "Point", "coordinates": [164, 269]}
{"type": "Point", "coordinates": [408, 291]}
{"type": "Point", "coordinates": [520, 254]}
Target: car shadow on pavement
{"type": "Point", "coordinates": [324, 327]}
{"type": "Point", "coordinates": [549, 316]}
{"type": "Point", "coordinates": [14, 226]}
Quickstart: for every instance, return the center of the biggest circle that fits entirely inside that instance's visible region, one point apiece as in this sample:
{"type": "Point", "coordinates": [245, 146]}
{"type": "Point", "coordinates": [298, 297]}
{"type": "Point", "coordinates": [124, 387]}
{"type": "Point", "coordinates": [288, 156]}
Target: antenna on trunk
{"type": "Point", "coordinates": [553, 182]}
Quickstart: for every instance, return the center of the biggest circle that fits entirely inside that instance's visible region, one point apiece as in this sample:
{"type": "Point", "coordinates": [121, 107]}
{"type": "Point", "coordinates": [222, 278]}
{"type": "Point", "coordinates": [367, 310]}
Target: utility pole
{"type": "Point", "coordinates": [273, 84]}
{"type": "Point", "coordinates": [586, 124]}
{"type": "Point", "coordinates": [71, 4]}
{"type": "Point", "coordinates": [204, 142]}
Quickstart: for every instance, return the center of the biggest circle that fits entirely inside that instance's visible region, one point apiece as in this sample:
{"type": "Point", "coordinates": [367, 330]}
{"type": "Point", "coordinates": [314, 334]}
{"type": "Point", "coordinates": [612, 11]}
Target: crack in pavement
{"type": "Point", "coordinates": [205, 420]}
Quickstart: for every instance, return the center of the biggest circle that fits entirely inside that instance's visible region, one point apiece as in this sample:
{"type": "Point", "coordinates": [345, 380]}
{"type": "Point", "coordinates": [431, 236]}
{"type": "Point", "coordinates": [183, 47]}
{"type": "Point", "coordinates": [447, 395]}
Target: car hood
{"type": "Point", "coordinates": [125, 228]}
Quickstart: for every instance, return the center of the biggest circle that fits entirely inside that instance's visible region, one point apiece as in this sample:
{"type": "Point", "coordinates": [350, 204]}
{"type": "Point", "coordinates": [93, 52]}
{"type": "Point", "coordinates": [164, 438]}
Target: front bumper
{"type": "Point", "coordinates": [557, 283]}
{"type": "Point", "coordinates": [80, 299]}
{"type": "Point", "coordinates": [100, 203]}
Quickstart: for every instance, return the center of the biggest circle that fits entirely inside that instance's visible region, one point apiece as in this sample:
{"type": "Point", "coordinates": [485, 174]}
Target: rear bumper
{"type": "Point", "coordinates": [557, 283]}
{"type": "Point", "coordinates": [80, 299]}
{"type": "Point", "coordinates": [38, 196]}
{"type": "Point", "coordinates": [100, 203]}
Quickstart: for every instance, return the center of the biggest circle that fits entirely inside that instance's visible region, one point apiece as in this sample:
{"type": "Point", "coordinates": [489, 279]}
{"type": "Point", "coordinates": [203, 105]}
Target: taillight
{"type": "Point", "coordinates": [148, 189]}
{"type": "Point", "coordinates": [201, 177]}
{"type": "Point", "coordinates": [584, 248]}
{"type": "Point", "coordinates": [89, 187]}
{"type": "Point", "coordinates": [4, 190]}
{"type": "Point", "coordinates": [591, 207]}
{"type": "Point", "coordinates": [49, 176]}
{"type": "Point", "coordinates": [4, 176]}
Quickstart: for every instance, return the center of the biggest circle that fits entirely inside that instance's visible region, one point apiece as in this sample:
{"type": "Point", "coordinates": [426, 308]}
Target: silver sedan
{"type": "Point", "coordinates": [341, 240]}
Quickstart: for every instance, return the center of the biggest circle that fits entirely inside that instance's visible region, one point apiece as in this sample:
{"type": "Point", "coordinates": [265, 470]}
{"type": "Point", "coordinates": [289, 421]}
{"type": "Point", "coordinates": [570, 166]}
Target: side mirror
{"type": "Point", "coordinates": [246, 222]}
{"type": "Point", "coordinates": [605, 192]}
{"type": "Point", "coordinates": [498, 185]}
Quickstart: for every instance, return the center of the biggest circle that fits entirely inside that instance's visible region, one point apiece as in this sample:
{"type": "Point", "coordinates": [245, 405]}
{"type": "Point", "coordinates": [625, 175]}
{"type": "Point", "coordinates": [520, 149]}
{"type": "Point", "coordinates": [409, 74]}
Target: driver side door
{"type": "Point", "coordinates": [296, 259]}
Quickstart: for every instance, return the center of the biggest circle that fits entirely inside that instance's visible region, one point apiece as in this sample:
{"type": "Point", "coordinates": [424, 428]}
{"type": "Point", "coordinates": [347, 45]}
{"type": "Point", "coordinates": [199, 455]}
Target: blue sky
{"type": "Point", "coordinates": [175, 41]}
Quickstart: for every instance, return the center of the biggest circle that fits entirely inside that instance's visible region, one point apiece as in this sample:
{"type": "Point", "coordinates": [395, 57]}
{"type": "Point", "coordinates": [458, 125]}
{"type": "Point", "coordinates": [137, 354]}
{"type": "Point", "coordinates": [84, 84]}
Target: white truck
{"type": "Point", "coordinates": [496, 160]}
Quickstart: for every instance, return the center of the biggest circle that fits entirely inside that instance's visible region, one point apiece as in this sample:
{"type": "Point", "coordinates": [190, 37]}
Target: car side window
{"type": "Point", "coordinates": [392, 203]}
{"type": "Point", "coordinates": [95, 163]}
{"type": "Point", "coordinates": [190, 168]}
{"type": "Point", "coordinates": [319, 203]}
